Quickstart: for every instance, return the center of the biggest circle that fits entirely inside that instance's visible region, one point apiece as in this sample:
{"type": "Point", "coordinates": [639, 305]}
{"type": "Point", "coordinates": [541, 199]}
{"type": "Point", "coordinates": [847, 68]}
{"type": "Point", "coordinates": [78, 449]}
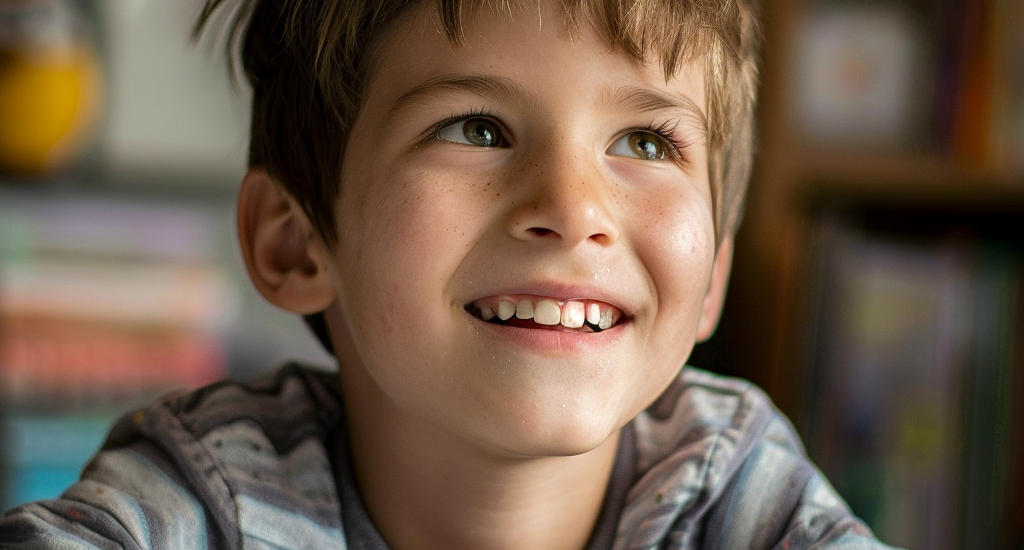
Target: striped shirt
{"type": "Point", "coordinates": [711, 465]}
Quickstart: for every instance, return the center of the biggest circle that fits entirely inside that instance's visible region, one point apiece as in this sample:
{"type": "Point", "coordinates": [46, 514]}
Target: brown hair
{"type": "Point", "coordinates": [307, 60]}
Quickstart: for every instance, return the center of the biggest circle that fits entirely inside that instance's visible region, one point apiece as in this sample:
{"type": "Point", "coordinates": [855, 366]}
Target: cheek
{"type": "Point", "coordinates": [678, 251]}
{"type": "Point", "coordinates": [677, 254]}
{"type": "Point", "coordinates": [403, 237]}
{"type": "Point", "coordinates": [401, 225]}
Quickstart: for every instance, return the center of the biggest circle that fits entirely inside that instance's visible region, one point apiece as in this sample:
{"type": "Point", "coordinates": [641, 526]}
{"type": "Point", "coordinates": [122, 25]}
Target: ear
{"type": "Point", "coordinates": [284, 255]}
{"type": "Point", "coordinates": [714, 299]}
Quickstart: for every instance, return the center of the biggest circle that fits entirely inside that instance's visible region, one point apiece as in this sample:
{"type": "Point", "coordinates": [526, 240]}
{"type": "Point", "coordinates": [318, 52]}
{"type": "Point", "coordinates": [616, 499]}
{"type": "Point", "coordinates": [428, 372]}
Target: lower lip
{"type": "Point", "coordinates": [554, 340]}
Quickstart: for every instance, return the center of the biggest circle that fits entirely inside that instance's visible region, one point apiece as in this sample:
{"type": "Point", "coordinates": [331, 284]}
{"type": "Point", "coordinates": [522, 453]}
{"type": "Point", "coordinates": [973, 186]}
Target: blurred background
{"type": "Point", "coordinates": [121, 148]}
{"type": "Point", "coordinates": [876, 293]}
{"type": "Point", "coordinates": [877, 288]}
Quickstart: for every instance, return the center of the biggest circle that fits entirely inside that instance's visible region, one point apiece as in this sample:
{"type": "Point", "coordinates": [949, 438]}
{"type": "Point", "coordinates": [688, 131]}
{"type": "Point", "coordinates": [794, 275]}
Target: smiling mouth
{"type": "Point", "coordinates": [547, 313]}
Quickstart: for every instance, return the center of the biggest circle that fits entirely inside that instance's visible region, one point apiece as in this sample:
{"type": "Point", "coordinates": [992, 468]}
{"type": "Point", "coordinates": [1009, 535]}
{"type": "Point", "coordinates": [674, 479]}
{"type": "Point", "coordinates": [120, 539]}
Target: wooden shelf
{"type": "Point", "coordinates": [767, 330]}
{"type": "Point", "coordinates": [926, 172]}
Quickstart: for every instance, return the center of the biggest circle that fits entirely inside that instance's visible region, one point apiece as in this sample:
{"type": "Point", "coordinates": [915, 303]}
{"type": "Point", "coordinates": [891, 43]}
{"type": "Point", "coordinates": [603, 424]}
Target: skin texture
{"type": "Point", "coordinates": [465, 434]}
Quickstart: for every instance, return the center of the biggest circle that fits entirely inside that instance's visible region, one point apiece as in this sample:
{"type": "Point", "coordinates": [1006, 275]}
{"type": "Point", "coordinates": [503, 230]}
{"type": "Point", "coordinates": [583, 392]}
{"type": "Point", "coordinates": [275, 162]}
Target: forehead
{"type": "Point", "coordinates": [534, 48]}
{"type": "Point", "coordinates": [667, 32]}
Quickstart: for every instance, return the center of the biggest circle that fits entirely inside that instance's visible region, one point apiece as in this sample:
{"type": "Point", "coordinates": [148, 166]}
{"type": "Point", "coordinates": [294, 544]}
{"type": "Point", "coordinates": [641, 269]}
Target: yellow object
{"type": "Point", "coordinates": [49, 101]}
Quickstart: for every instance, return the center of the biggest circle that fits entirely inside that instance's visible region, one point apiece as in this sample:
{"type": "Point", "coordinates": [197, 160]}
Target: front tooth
{"type": "Point", "coordinates": [606, 319]}
{"type": "Point", "coordinates": [547, 312]}
{"type": "Point", "coordinates": [487, 313]}
{"type": "Point", "coordinates": [506, 310]}
{"type": "Point", "coordinates": [572, 315]}
{"type": "Point", "coordinates": [524, 310]}
{"type": "Point", "coordinates": [593, 313]}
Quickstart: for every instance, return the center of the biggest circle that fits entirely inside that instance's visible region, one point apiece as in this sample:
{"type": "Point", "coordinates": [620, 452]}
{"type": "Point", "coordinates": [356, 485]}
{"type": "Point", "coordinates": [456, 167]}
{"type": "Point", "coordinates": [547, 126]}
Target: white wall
{"type": "Point", "coordinates": [171, 107]}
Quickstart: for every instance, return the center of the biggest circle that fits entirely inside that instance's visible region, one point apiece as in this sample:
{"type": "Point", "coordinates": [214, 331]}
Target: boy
{"type": "Point", "coordinates": [510, 224]}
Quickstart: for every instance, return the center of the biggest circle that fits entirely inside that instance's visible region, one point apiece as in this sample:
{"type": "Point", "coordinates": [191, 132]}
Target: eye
{"type": "Point", "coordinates": [642, 145]}
{"type": "Point", "coordinates": [478, 132]}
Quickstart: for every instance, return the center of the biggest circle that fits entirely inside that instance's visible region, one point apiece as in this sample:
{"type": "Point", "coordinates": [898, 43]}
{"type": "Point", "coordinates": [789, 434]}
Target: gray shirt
{"type": "Point", "coordinates": [711, 465]}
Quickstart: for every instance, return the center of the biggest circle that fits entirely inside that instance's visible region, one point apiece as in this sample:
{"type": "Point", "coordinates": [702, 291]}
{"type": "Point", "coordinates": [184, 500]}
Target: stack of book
{"type": "Point", "coordinates": [104, 303]}
{"type": "Point", "coordinates": [917, 383]}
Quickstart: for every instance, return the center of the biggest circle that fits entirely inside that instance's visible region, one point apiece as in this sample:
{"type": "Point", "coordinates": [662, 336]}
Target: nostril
{"type": "Point", "coordinates": [601, 238]}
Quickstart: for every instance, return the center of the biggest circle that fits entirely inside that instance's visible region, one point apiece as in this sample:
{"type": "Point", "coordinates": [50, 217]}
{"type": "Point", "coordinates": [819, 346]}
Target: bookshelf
{"type": "Point", "coordinates": [953, 174]}
{"type": "Point", "coordinates": [120, 278]}
{"type": "Point", "coordinates": [110, 295]}
{"type": "Point", "coordinates": [937, 208]}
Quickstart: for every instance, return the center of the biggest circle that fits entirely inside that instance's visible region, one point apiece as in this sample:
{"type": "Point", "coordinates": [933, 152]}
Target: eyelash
{"type": "Point", "coordinates": [666, 130]}
{"type": "Point", "coordinates": [435, 131]}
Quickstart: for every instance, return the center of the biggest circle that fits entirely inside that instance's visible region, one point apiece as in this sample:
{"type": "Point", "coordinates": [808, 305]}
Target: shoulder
{"type": "Point", "coordinates": [274, 415]}
{"type": "Point", "coordinates": [719, 467]}
{"type": "Point", "coordinates": [714, 417]}
{"type": "Point", "coordinates": [211, 468]}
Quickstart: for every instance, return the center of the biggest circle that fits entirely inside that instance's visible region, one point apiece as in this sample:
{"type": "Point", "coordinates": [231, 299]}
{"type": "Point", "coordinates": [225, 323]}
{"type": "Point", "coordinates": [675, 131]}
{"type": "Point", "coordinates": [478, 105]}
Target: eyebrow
{"type": "Point", "coordinates": [504, 89]}
{"type": "Point", "coordinates": [635, 98]}
{"type": "Point", "coordinates": [629, 98]}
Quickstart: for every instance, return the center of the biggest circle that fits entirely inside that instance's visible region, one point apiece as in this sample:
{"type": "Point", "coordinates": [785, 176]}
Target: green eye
{"type": "Point", "coordinates": [641, 145]}
{"type": "Point", "coordinates": [478, 132]}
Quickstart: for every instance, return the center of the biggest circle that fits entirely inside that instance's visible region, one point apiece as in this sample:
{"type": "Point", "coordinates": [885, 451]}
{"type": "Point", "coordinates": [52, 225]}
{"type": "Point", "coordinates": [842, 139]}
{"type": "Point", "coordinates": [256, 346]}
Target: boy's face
{"type": "Point", "coordinates": [525, 165]}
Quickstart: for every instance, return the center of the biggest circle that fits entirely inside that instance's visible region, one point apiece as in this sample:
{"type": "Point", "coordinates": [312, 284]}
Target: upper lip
{"type": "Point", "coordinates": [563, 293]}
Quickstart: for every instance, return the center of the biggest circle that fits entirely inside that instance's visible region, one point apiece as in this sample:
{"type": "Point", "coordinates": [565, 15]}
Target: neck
{"type": "Point", "coordinates": [426, 490]}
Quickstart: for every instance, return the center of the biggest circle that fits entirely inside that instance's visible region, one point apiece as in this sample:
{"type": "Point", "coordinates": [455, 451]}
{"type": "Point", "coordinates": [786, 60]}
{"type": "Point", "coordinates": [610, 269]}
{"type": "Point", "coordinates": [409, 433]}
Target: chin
{"type": "Point", "coordinates": [566, 434]}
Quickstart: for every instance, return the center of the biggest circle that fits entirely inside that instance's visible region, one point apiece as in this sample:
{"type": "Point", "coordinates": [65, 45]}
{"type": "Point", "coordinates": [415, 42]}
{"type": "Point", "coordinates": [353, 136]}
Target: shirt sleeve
{"type": "Point", "coordinates": [779, 500]}
{"type": "Point", "coordinates": [220, 468]}
{"type": "Point", "coordinates": [128, 498]}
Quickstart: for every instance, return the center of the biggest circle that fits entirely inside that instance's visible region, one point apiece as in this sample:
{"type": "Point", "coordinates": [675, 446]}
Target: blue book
{"type": "Point", "coordinates": [46, 453]}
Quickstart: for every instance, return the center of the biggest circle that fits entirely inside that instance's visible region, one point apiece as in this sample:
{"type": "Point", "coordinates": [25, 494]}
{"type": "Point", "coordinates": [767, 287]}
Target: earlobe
{"type": "Point", "coordinates": [714, 299]}
{"type": "Point", "coordinates": [284, 255]}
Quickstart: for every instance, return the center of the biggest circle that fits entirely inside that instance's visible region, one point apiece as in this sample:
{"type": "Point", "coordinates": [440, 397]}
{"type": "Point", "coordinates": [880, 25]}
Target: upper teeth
{"type": "Point", "coordinates": [545, 311]}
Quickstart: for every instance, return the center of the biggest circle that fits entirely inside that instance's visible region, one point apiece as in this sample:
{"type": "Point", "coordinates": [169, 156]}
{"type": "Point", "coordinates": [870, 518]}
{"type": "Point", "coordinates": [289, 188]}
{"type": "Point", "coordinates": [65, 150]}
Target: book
{"type": "Point", "coordinates": [1007, 128]}
{"type": "Point", "coordinates": [885, 425]}
{"type": "Point", "coordinates": [917, 382]}
{"type": "Point", "coordinates": [44, 454]}
{"type": "Point", "coordinates": [989, 373]}
{"type": "Point", "coordinates": [59, 363]}
{"type": "Point", "coordinates": [106, 302]}
{"type": "Point", "coordinates": [104, 298]}
{"type": "Point", "coordinates": [128, 290]}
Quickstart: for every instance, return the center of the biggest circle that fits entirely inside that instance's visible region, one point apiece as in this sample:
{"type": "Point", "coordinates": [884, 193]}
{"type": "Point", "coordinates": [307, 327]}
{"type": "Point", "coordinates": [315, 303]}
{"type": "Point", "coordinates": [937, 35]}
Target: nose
{"type": "Point", "coordinates": [564, 199]}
